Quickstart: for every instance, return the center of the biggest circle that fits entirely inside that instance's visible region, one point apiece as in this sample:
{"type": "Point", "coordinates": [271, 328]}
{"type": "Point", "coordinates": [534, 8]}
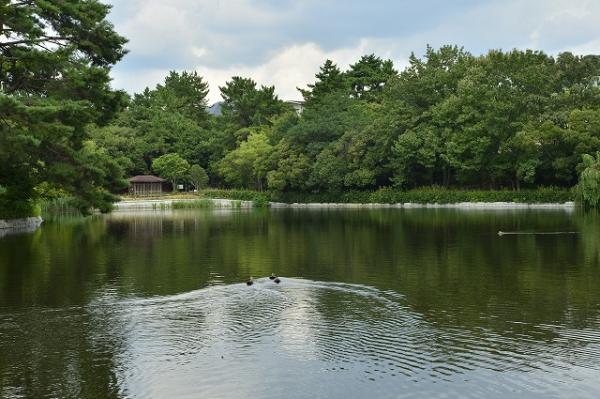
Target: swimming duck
{"type": "Point", "coordinates": [272, 276]}
{"type": "Point", "coordinates": [276, 280]}
{"type": "Point", "coordinates": [250, 281]}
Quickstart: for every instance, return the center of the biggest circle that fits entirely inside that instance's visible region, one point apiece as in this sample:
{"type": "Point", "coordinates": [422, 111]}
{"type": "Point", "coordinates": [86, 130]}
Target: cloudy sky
{"type": "Point", "coordinates": [283, 42]}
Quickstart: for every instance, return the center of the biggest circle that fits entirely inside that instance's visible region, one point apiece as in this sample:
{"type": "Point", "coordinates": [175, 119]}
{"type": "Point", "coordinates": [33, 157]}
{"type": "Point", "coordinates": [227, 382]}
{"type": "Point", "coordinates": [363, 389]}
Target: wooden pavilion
{"type": "Point", "coordinates": [142, 185]}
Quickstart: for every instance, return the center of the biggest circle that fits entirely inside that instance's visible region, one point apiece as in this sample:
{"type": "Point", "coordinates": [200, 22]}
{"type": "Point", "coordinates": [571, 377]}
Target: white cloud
{"type": "Point", "coordinates": [292, 67]}
{"type": "Point", "coordinates": [272, 42]}
{"type": "Point", "coordinates": [199, 51]}
{"type": "Point", "coordinates": [135, 81]}
{"type": "Point", "coordinates": [591, 47]}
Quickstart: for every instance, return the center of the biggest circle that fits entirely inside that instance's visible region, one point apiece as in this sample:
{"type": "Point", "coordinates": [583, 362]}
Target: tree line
{"type": "Point", "coordinates": [502, 120]}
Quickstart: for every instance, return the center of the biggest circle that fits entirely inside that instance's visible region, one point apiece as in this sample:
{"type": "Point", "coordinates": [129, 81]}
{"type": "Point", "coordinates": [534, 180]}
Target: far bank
{"type": "Point", "coordinates": [382, 198]}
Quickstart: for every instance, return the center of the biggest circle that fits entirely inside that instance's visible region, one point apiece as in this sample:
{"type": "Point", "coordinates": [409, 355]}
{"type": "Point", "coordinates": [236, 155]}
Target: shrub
{"type": "Point", "coordinates": [19, 209]}
{"type": "Point", "coordinates": [589, 181]}
{"type": "Point", "coordinates": [196, 204]}
{"type": "Point", "coordinates": [388, 195]}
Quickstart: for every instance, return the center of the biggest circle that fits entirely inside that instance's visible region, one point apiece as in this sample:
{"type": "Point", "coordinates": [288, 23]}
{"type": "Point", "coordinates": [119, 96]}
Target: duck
{"type": "Point", "coordinates": [276, 280]}
{"type": "Point", "coordinates": [250, 281]}
{"type": "Point", "coordinates": [272, 276]}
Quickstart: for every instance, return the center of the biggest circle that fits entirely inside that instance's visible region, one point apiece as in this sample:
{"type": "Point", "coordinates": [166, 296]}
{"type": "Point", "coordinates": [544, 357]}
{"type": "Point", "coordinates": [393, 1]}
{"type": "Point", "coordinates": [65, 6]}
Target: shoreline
{"type": "Point", "coordinates": [412, 205]}
{"type": "Point", "coordinates": [22, 225]}
{"type": "Point", "coordinates": [30, 224]}
{"type": "Point", "coordinates": [159, 204]}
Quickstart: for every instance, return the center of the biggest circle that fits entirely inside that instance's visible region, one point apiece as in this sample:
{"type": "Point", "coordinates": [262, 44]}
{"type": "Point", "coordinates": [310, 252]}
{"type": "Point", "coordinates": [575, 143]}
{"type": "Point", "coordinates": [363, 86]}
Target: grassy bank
{"type": "Point", "coordinates": [429, 195]}
{"type": "Point", "coordinates": [202, 203]}
{"type": "Point", "coordinates": [58, 206]}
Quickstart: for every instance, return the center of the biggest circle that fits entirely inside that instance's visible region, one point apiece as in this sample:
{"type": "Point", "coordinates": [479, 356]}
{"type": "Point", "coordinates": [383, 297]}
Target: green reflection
{"type": "Point", "coordinates": [450, 268]}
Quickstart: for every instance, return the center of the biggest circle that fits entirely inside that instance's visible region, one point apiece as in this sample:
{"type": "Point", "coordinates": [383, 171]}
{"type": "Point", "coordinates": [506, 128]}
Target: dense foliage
{"type": "Point", "coordinates": [503, 120]}
{"type": "Point", "coordinates": [389, 195]}
{"type": "Point", "coordinates": [172, 167]}
{"type": "Point", "coordinates": [198, 177]}
{"type": "Point", "coordinates": [589, 182]}
{"type": "Point", "coordinates": [55, 58]}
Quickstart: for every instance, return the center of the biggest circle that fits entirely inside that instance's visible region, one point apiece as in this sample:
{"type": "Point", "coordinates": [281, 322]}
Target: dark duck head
{"type": "Point", "coordinates": [250, 281]}
{"type": "Point", "coordinates": [276, 280]}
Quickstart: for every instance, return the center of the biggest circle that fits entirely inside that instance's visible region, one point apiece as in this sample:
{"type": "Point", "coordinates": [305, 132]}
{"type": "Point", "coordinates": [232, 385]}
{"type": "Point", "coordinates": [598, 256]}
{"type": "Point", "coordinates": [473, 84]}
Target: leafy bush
{"type": "Point", "coordinates": [197, 204]}
{"type": "Point", "coordinates": [243, 195]}
{"type": "Point", "coordinates": [431, 195]}
{"type": "Point", "coordinates": [425, 195]}
{"type": "Point", "coordinates": [589, 181]}
{"type": "Point", "coordinates": [23, 209]}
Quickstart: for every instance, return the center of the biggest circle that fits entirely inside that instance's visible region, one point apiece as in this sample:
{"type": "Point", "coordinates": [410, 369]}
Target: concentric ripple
{"type": "Point", "coordinates": [317, 339]}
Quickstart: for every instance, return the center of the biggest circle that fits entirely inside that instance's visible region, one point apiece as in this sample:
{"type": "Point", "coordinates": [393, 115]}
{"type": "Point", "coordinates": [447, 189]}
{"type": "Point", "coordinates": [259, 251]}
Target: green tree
{"type": "Point", "coordinates": [123, 145]}
{"type": "Point", "coordinates": [499, 120]}
{"type": "Point", "coordinates": [589, 180]}
{"type": "Point", "coordinates": [415, 157]}
{"type": "Point", "coordinates": [408, 106]}
{"type": "Point", "coordinates": [369, 75]}
{"type": "Point", "coordinates": [329, 80]}
{"type": "Point", "coordinates": [171, 167]}
{"type": "Point", "coordinates": [247, 166]}
{"type": "Point", "coordinates": [290, 168]}
{"type": "Point", "coordinates": [246, 105]}
{"type": "Point", "coordinates": [198, 177]}
{"type": "Point", "coordinates": [184, 93]}
{"type": "Point", "coordinates": [169, 119]}
{"type": "Point", "coordinates": [55, 59]}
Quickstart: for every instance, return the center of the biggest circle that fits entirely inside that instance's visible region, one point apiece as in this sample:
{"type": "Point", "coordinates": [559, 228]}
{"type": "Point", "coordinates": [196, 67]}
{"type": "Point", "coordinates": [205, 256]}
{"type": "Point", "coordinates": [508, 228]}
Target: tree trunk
{"type": "Point", "coordinates": [446, 177]}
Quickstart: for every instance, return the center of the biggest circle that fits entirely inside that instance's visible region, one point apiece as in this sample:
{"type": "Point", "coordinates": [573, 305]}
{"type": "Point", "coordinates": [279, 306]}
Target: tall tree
{"type": "Point", "coordinates": [246, 105]}
{"type": "Point", "coordinates": [329, 80]}
{"type": "Point", "coordinates": [55, 58]}
{"type": "Point", "coordinates": [169, 118]}
{"type": "Point", "coordinates": [589, 182]}
{"type": "Point", "coordinates": [247, 166]}
{"type": "Point", "coordinates": [369, 75]}
{"type": "Point", "coordinates": [185, 93]}
{"type": "Point", "coordinates": [171, 167]}
{"type": "Point", "coordinates": [198, 177]}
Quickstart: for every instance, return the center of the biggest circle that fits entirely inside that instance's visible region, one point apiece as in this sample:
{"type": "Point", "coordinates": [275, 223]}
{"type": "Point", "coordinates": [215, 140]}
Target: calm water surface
{"type": "Point", "coordinates": [373, 303]}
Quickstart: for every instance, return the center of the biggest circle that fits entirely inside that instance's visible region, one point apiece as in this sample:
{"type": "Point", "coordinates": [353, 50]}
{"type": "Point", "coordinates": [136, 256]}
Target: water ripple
{"type": "Point", "coordinates": [353, 334]}
{"type": "Point", "coordinates": [301, 339]}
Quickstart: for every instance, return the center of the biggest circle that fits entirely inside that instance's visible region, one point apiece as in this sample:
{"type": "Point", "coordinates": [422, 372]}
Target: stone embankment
{"type": "Point", "coordinates": [409, 205]}
{"type": "Point", "coordinates": [167, 204]}
{"type": "Point", "coordinates": [226, 203]}
{"type": "Point", "coordinates": [24, 225]}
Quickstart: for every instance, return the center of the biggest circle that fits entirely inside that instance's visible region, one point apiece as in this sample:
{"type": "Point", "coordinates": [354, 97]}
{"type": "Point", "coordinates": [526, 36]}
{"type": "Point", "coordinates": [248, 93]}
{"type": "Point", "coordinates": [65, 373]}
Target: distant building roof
{"type": "Point", "coordinates": [146, 179]}
{"type": "Point", "coordinates": [297, 105]}
{"type": "Point", "coordinates": [215, 109]}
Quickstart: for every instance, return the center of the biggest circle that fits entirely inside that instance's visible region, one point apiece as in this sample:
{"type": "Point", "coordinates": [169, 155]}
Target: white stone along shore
{"type": "Point", "coordinates": [25, 224]}
{"type": "Point", "coordinates": [16, 226]}
{"type": "Point", "coordinates": [167, 203]}
{"type": "Point", "coordinates": [226, 203]}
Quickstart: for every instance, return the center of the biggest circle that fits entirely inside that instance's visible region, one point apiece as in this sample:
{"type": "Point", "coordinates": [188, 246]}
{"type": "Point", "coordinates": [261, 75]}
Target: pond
{"type": "Point", "coordinates": [372, 303]}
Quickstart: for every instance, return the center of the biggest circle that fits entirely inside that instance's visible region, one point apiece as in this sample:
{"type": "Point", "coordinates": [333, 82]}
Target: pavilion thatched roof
{"type": "Point", "coordinates": [146, 179]}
